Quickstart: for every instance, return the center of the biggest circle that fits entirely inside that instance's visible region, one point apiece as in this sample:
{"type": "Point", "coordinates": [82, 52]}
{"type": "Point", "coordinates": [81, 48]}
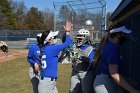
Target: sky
{"type": "Point", "coordinates": [44, 4]}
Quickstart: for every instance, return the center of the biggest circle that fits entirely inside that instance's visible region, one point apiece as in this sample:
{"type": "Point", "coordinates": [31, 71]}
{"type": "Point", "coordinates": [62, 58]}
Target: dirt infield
{"type": "Point", "coordinates": [12, 54]}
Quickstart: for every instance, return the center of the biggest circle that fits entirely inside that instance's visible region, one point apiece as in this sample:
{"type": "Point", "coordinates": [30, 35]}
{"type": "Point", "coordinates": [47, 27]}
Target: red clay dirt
{"type": "Point", "coordinates": [13, 54]}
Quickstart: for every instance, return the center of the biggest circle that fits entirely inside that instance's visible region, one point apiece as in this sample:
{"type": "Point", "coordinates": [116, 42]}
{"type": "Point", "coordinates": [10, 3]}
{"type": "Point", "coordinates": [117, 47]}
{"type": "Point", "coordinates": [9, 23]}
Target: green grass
{"type": "Point", "coordinates": [14, 77]}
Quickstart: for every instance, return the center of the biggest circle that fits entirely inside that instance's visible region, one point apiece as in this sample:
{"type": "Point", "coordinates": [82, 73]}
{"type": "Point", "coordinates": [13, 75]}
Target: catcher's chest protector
{"type": "Point", "coordinates": [79, 65]}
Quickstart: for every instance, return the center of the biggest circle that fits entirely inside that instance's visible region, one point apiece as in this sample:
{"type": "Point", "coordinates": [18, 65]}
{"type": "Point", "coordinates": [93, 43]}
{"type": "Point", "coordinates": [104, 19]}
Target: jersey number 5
{"type": "Point", "coordinates": [44, 64]}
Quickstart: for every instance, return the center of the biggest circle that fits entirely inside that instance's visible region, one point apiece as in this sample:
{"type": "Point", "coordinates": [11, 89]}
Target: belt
{"type": "Point", "coordinates": [52, 79]}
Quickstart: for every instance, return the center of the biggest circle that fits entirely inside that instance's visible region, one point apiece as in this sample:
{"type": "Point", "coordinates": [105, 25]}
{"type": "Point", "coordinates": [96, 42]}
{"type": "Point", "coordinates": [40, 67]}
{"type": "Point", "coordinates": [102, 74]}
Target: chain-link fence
{"type": "Point", "coordinates": [19, 38]}
{"type": "Point", "coordinates": [78, 11]}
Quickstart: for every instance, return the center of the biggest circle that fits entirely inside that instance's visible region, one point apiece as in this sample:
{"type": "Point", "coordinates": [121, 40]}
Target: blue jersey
{"type": "Point", "coordinates": [33, 54]}
{"type": "Point", "coordinates": [50, 58]}
{"type": "Point", "coordinates": [110, 55]}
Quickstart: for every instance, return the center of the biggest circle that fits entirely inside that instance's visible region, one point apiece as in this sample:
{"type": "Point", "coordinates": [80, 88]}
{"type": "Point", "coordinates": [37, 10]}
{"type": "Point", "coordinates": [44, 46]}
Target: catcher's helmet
{"type": "Point", "coordinates": [82, 37]}
{"type": "Point", "coordinates": [3, 46]}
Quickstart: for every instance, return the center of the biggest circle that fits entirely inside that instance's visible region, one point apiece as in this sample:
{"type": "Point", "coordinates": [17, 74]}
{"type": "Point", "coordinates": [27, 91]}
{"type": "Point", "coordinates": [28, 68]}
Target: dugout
{"type": "Point", "coordinates": [128, 13]}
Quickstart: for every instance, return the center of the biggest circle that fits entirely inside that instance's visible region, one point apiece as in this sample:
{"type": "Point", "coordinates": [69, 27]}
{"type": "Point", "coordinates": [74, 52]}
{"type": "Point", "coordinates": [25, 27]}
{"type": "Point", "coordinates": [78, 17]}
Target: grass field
{"type": "Point", "coordinates": [14, 77]}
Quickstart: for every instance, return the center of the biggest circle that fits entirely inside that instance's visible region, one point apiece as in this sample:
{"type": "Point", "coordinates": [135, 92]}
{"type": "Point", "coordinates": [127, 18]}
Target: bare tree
{"type": "Point", "coordinates": [48, 17]}
{"type": "Point", "coordinates": [109, 23]}
{"type": "Point", "coordinates": [19, 9]}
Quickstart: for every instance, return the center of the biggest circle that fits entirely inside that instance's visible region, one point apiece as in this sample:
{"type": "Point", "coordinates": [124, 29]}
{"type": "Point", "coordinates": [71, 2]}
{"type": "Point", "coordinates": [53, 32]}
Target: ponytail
{"type": "Point", "coordinates": [99, 50]}
{"type": "Point", "coordinates": [41, 44]}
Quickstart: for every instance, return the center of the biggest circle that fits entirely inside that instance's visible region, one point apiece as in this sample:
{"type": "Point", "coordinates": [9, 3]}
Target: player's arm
{"type": "Point", "coordinates": [57, 48]}
{"type": "Point", "coordinates": [68, 28]}
{"type": "Point", "coordinates": [113, 62]}
{"type": "Point", "coordinates": [113, 68]}
{"type": "Point", "coordinates": [31, 57]}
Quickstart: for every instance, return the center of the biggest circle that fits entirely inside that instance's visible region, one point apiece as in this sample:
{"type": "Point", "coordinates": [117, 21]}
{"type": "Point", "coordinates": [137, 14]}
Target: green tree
{"type": "Point", "coordinates": [34, 19]}
{"type": "Point", "coordinates": [48, 17]}
{"type": "Point", "coordinates": [8, 20]}
{"type": "Point", "coordinates": [19, 10]}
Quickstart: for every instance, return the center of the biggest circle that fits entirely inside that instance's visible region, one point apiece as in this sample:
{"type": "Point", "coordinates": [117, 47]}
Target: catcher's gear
{"type": "Point", "coordinates": [82, 37]}
{"type": "Point", "coordinates": [3, 46]}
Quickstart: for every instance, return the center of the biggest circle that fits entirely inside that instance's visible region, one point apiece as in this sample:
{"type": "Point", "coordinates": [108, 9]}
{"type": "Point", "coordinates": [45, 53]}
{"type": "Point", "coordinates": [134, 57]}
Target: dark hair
{"type": "Point", "coordinates": [112, 35]}
{"type": "Point", "coordinates": [44, 36]}
{"type": "Point", "coordinates": [42, 39]}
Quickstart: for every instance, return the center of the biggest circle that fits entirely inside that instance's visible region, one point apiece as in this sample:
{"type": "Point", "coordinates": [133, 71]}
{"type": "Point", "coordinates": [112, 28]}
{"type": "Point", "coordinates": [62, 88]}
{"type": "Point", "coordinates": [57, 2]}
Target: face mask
{"type": "Point", "coordinates": [55, 41]}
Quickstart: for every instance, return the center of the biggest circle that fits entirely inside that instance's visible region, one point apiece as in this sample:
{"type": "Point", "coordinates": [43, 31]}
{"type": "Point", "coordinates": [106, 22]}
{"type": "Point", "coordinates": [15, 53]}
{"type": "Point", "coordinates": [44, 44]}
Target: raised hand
{"type": "Point", "coordinates": [68, 26]}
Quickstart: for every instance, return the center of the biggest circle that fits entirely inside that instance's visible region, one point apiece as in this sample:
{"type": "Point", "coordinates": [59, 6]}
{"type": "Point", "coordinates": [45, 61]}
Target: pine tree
{"type": "Point", "coordinates": [34, 19]}
{"type": "Point", "coordinates": [8, 20]}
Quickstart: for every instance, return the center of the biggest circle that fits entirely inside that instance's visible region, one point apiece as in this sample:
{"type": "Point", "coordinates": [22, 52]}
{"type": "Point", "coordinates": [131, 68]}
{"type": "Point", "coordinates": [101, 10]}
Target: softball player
{"type": "Point", "coordinates": [82, 72]}
{"type": "Point", "coordinates": [109, 77]}
{"type": "Point", "coordinates": [50, 52]}
{"type": "Point", "coordinates": [33, 59]}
